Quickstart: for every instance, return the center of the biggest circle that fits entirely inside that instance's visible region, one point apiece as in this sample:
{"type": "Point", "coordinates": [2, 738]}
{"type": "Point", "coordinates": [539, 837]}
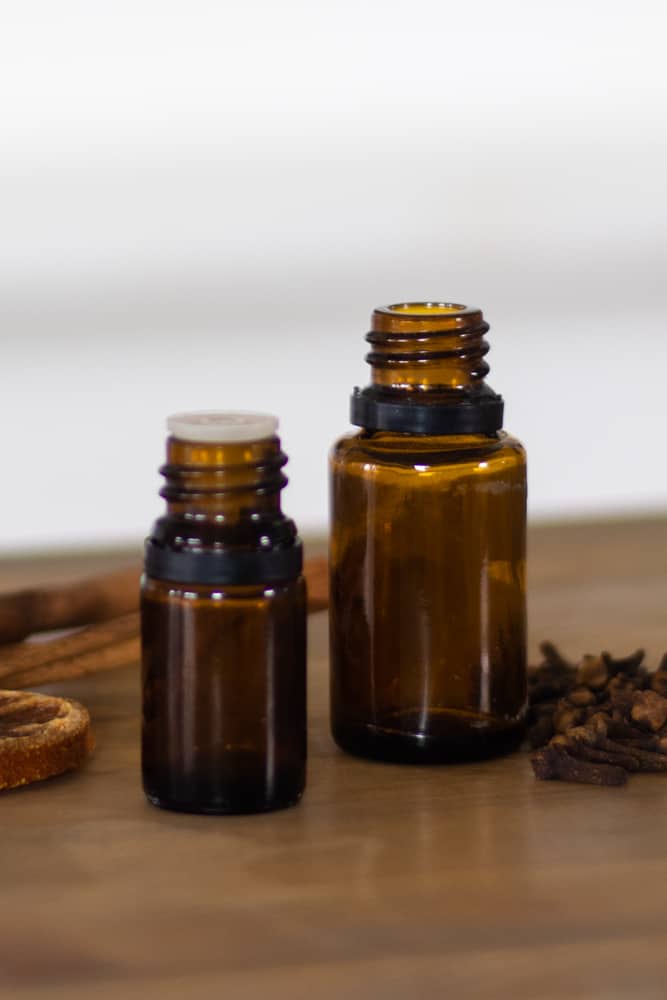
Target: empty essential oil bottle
{"type": "Point", "coordinates": [428, 509]}
{"type": "Point", "coordinates": [223, 624]}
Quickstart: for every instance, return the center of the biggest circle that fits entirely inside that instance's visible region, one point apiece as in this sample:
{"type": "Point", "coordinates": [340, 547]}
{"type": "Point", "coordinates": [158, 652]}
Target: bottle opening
{"type": "Point", "coordinates": [425, 308]}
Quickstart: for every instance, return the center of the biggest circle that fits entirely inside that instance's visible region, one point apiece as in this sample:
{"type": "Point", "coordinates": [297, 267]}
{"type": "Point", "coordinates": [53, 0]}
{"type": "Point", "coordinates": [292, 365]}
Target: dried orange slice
{"type": "Point", "coordinates": [40, 736]}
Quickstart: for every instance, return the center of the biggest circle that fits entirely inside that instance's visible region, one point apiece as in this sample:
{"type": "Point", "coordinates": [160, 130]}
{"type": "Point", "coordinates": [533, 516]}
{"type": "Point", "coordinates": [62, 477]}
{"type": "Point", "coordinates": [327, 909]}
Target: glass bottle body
{"type": "Point", "coordinates": [428, 597]}
{"type": "Point", "coordinates": [224, 685]}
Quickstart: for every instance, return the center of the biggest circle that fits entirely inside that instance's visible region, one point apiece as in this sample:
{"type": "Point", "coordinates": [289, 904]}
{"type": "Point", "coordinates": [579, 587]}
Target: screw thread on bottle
{"type": "Point", "coordinates": [428, 346]}
{"type": "Point", "coordinates": [223, 481]}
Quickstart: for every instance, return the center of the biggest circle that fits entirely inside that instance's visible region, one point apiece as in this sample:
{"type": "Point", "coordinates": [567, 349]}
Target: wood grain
{"type": "Point", "coordinates": [386, 882]}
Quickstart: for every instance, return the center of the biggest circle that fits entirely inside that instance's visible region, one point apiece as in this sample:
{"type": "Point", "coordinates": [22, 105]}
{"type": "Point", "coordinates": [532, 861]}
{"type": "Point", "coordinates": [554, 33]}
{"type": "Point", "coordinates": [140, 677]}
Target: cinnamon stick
{"type": "Point", "coordinates": [40, 609]}
{"type": "Point", "coordinates": [108, 645]}
{"type": "Point", "coordinates": [316, 572]}
{"type": "Point", "coordinates": [110, 657]}
{"type": "Point", "coordinates": [36, 658]}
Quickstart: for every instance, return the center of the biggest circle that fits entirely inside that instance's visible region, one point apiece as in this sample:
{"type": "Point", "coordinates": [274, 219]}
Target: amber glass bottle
{"type": "Point", "coordinates": [223, 625]}
{"type": "Point", "coordinates": [428, 506]}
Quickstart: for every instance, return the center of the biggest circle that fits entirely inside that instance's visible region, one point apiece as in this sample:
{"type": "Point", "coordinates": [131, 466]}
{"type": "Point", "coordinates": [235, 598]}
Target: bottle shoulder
{"type": "Point", "coordinates": [182, 534]}
{"type": "Point", "coordinates": [383, 447]}
{"type": "Point", "coordinates": [196, 594]}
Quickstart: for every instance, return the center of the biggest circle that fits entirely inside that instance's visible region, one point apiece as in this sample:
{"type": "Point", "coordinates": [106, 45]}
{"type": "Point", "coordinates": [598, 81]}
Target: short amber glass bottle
{"type": "Point", "coordinates": [223, 625]}
{"type": "Point", "coordinates": [428, 508]}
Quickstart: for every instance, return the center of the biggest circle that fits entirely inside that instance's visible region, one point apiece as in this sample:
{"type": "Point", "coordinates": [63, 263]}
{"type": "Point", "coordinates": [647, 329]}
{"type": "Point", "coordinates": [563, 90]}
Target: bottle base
{"type": "Point", "coordinates": [453, 738]}
{"type": "Point", "coordinates": [213, 794]}
{"type": "Point", "coordinates": [228, 808]}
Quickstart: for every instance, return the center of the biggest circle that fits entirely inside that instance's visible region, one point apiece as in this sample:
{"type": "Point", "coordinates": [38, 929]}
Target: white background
{"type": "Point", "coordinates": [200, 203]}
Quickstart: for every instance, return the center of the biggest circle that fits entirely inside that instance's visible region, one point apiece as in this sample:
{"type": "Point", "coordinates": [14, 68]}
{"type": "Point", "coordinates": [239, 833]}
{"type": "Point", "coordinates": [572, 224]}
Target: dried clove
{"type": "Point", "coordinates": [599, 720]}
{"type": "Point", "coordinates": [593, 672]}
{"type": "Point", "coordinates": [553, 763]}
{"type": "Point", "coordinates": [591, 744]}
{"type": "Point", "coordinates": [649, 710]}
{"type": "Point", "coordinates": [627, 665]}
{"type": "Point", "coordinates": [566, 716]}
{"type": "Point", "coordinates": [659, 678]}
{"type": "Point", "coordinates": [582, 697]}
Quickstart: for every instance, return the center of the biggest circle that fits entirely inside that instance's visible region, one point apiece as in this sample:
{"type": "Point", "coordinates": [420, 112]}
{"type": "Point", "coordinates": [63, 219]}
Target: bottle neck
{"type": "Point", "coordinates": [428, 372]}
{"type": "Point", "coordinates": [425, 348]}
{"type": "Point", "coordinates": [223, 483]}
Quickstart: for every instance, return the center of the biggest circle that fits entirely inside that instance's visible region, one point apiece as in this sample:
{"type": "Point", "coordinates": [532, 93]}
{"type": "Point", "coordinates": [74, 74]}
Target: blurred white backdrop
{"type": "Point", "coordinates": [200, 203]}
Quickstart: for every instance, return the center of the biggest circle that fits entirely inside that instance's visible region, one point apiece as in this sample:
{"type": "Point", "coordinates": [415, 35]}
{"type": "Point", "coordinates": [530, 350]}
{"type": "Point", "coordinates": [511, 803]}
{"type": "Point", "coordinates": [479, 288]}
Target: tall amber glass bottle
{"type": "Point", "coordinates": [223, 624]}
{"type": "Point", "coordinates": [428, 507]}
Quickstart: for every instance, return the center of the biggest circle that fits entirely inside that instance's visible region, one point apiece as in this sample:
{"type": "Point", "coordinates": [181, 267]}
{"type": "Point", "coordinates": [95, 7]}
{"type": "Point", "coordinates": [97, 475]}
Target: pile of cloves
{"type": "Point", "coordinates": [597, 721]}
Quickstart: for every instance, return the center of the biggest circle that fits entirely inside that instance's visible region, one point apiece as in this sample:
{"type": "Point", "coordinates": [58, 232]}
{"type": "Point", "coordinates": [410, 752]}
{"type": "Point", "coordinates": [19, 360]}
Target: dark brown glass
{"type": "Point", "coordinates": [428, 616]}
{"type": "Point", "coordinates": [224, 666]}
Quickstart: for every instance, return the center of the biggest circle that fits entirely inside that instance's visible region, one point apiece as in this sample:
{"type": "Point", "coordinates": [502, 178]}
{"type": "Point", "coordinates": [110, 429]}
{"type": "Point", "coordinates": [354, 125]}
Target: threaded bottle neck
{"type": "Point", "coordinates": [225, 483]}
{"type": "Point", "coordinates": [427, 372]}
{"type": "Point", "coordinates": [224, 523]}
{"type": "Point", "coordinates": [425, 347]}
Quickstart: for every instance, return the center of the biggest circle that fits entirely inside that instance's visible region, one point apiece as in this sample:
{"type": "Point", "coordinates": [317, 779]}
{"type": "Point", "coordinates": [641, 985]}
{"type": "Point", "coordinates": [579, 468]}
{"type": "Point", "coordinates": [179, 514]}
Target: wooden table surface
{"type": "Point", "coordinates": [387, 881]}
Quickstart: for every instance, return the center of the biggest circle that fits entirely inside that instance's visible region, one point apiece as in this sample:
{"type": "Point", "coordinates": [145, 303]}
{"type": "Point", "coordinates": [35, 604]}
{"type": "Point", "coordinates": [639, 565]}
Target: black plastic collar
{"type": "Point", "coordinates": [482, 414]}
{"type": "Point", "coordinates": [224, 567]}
